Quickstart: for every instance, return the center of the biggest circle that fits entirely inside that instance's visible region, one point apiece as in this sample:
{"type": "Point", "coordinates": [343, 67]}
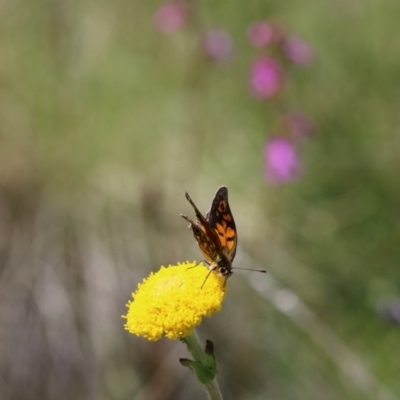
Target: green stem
{"type": "Point", "coordinates": [213, 391]}
{"type": "Point", "coordinates": [194, 346]}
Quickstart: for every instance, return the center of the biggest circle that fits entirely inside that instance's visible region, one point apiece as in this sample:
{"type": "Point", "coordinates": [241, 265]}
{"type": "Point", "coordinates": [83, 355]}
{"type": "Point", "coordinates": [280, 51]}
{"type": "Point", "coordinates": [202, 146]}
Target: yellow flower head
{"type": "Point", "coordinates": [172, 301]}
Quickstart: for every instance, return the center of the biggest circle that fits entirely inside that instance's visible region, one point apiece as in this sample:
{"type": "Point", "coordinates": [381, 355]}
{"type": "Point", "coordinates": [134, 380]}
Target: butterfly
{"type": "Point", "coordinates": [216, 233]}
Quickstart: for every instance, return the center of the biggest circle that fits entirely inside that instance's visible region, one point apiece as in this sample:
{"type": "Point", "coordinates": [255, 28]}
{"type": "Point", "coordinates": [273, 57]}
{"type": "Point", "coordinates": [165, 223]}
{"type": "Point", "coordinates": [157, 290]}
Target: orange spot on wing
{"type": "Point", "coordinates": [223, 241]}
{"type": "Point", "coordinates": [230, 238]}
{"type": "Point", "coordinates": [227, 217]}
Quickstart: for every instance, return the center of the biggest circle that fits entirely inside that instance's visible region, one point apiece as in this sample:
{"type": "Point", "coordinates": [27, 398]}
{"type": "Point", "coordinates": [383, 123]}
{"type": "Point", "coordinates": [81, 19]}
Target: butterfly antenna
{"type": "Point", "coordinates": [250, 269]}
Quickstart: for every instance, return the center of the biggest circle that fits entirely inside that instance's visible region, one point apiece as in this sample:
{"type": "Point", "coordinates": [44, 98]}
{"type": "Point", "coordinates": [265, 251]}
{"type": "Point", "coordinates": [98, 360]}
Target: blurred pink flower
{"type": "Point", "coordinates": [298, 51]}
{"type": "Point", "coordinates": [266, 77]}
{"type": "Point", "coordinates": [281, 161]}
{"type": "Point", "coordinates": [218, 44]}
{"type": "Point", "coordinates": [170, 17]}
{"type": "Point", "coordinates": [260, 34]}
{"type": "Point", "coordinates": [299, 125]}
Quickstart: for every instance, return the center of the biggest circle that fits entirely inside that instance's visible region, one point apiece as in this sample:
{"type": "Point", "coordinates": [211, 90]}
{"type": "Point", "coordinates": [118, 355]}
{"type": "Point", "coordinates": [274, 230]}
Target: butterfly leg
{"type": "Point", "coordinates": [205, 280]}
{"type": "Point", "coordinates": [226, 278]}
{"type": "Point", "coordinates": [201, 261]}
{"type": "Point", "coordinates": [209, 272]}
{"type": "Point", "coordinates": [212, 267]}
{"type": "Point", "coordinates": [191, 222]}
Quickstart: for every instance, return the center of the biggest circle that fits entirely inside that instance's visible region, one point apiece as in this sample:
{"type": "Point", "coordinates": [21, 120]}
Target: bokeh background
{"type": "Point", "coordinates": [105, 122]}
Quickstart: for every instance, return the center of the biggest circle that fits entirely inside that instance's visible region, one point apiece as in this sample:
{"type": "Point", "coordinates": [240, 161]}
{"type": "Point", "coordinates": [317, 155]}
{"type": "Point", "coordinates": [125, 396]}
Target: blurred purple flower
{"type": "Point", "coordinates": [170, 17]}
{"type": "Point", "coordinates": [299, 125]}
{"type": "Point", "coordinates": [266, 77]}
{"type": "Point", "coordinates": [389, 309]}
{"type": "Point", "coordinates": [260, 34]}
{"type": "Point", "coordinates": [218, 45]}
{"type": "Point", "coordinates": [298, 51]}
{"type": "Point", "coordinates": [281, 161]}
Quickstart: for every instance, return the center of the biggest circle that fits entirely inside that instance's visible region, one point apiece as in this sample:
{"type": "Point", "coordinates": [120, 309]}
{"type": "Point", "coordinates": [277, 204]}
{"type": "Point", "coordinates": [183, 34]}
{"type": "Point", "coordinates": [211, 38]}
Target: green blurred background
{"type": "Point", "coordinates": [105, 123]}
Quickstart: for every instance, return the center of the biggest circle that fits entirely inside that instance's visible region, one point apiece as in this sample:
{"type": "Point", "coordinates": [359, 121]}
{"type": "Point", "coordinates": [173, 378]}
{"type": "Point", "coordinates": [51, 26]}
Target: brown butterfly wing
{"type": "Point", "coordinates": [221, 221]}
{"type": "Point", "coordinates": [206, 237]}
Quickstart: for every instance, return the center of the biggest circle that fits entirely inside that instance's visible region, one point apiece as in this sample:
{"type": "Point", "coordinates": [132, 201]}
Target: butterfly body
{"type": "Point", "coordinates": [215, 233]}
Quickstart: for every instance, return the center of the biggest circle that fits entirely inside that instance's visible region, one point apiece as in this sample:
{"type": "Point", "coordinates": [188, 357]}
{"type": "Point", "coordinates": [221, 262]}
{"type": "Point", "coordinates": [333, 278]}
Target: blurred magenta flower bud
{"type": "Point", "coordinates": [170, 17]}
{"type": "Point", "coordinates": [260, 34]}
{"type": "Point", "coordinates": [281, 161]}
{"type": "Point", "coordinates": [218, 45]}
{"type": "Point", "coordinates": [266, 77]}
{"type": "Point", "coordinates": [298, 51]}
